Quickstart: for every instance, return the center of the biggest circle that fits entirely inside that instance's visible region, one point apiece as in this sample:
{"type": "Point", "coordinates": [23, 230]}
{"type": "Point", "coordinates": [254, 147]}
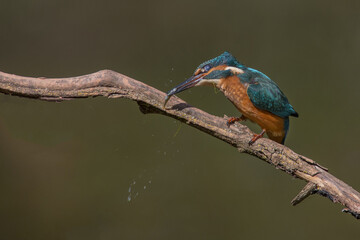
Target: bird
{"type": "Point", "coordinates": [255, 95]}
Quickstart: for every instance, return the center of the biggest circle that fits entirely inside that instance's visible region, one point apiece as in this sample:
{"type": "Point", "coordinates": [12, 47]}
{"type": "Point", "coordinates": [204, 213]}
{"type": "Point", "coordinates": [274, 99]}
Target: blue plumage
{"type": "Point", "coordinates": [266, 95]}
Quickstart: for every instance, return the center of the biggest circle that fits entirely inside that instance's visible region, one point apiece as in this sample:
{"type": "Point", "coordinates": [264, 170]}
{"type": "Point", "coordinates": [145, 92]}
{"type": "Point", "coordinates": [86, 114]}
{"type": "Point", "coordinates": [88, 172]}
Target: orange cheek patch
{"type": "Point", "coordinates": [220, 67]}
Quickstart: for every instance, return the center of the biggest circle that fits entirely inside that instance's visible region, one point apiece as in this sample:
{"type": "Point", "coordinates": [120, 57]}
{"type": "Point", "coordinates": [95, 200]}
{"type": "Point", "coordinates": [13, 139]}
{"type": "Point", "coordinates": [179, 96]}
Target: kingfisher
{"type": "Point", "coordinates": [254, 94]}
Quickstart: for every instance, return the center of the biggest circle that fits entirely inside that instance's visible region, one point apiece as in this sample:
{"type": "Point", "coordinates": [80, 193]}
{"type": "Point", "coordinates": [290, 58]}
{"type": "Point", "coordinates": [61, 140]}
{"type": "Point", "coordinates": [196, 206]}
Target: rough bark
{"type": "Point", "coordinates": [114, 85]}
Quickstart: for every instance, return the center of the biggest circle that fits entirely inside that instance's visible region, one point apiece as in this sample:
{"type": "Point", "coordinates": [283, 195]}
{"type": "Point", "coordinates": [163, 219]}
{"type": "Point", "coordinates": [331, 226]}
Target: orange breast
{"type": "Point", "coordinates": [236, 92]}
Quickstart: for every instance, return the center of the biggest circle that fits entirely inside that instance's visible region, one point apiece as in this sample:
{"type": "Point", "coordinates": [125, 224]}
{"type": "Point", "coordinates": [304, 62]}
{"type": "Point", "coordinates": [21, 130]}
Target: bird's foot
{"type": "Point", "coordinates": [257, 136]}
{"type": "Point", "coordinates": [232, 120]}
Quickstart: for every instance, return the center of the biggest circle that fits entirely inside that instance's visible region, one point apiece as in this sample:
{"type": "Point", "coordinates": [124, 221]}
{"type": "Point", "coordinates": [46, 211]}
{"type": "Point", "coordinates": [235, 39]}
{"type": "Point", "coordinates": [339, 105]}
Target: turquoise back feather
{"type": "Point", "coordinates": [266, 95]}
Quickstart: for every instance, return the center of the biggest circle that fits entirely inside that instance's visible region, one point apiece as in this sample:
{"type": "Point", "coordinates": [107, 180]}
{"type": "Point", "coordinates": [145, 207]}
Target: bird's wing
{"type": "Point", "coordinates": [266, 95]}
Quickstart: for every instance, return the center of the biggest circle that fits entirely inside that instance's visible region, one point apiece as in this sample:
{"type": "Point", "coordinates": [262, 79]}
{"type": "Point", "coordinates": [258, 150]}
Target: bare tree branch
{"type": "Point", "coordinates": [114, 85]}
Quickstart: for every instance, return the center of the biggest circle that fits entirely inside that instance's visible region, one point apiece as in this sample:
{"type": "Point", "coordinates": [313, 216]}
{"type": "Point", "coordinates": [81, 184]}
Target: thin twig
{"type": "Point", "coordinates": [310, 188]}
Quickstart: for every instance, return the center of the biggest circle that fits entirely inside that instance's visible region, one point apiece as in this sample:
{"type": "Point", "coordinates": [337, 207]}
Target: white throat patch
{"type": "Point", "coordinates": [207, 82]}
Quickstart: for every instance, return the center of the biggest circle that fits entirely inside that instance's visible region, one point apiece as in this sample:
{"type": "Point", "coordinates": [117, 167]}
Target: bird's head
{"type": "Point", "coordinates": [210, 72]}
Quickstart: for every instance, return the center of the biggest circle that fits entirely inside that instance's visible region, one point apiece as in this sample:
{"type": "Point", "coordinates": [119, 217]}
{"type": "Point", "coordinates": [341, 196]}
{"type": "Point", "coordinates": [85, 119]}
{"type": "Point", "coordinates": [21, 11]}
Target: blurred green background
{"type": "Point", "coordinates": [99, 169]}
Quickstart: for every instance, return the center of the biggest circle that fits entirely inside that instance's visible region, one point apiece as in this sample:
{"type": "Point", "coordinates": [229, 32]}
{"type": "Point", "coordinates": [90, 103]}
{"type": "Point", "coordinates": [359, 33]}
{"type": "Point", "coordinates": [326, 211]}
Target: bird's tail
{"type": "Point", "coordinates": [286, 128]}
{"type": "Point", "coordinates": [280, 138]}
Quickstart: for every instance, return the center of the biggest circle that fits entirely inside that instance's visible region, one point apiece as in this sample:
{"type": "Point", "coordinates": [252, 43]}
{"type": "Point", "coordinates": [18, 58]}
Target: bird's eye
{"type": "Point", "coordinates": [206, 68]}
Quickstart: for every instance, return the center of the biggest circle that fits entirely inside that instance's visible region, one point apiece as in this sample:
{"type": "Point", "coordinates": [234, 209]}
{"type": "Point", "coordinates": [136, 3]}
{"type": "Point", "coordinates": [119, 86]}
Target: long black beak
{"type": "Point", "coordinates": [189, 83]}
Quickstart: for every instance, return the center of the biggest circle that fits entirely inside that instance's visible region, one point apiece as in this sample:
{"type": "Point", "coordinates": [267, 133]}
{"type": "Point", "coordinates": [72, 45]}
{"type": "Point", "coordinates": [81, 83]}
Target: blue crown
{"type": "Point", "coordinates": [224, 59]}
